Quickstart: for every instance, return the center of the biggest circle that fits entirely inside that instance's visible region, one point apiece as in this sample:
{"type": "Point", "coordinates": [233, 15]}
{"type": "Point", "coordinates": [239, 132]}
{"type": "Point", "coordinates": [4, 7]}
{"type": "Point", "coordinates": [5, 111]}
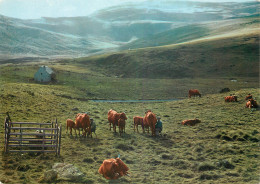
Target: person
{"type": "Point", "coordinates": [158, 126]}
{"type": "Point", "coordinates": [93, 126]}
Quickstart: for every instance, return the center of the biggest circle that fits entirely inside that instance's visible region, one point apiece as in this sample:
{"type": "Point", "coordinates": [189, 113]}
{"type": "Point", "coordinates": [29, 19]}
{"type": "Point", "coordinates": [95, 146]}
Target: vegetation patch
{"type": "Point", "coordinates": [124, 147]}
{"type": "Point", "coordinates": [206, 167]}
{"type": "Point", "coordinates": [226, 164]}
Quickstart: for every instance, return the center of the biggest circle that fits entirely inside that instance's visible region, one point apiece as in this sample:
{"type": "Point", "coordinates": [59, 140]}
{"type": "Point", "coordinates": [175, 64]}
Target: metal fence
{"type": "Point", "coordinates": [32, 137]}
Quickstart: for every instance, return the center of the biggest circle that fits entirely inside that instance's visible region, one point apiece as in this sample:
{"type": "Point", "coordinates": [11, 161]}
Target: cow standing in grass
{"type": "Point", "coordinates": [83, 121]}
{"type": "Point", "coordinates": [151, 120]}
{"type": "Point", "coordinates": [113, 118]}
{"type": "Point", "coordinates": [70, 124]}
{"type": "Point", "coordinates": [138, 121]}
{"type": "Point", "coordinates": [121, 126]}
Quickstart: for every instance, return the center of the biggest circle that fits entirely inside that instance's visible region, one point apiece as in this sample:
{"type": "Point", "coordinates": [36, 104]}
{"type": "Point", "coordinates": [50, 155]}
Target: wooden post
{"type": "Point", "coordinates": [21, 137]}
{"type": "Point", "coordinates": [56, 134]}
{"type": "Point", "coordinates": [52, 132]}
{"type": "Point", "coordinates": [43, 141]}
{"type": "Point", "coordinates": [59, 139]}
{"type": "Point", "coordinates": [6, 141]}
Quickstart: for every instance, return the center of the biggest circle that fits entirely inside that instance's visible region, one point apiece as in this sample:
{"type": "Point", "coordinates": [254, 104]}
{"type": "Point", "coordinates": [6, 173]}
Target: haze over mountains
{"type": "Point", "coordinates": [130, 26]}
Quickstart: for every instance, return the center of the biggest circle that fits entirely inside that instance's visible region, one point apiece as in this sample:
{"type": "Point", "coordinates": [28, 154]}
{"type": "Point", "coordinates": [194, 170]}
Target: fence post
{"type": "Point", "coordinates": [56, 134]}
{"type": "Point", "coordinates": [59, 140]}
{"type": "Point", "coordinates": [6, 136]}
{"type": "Point", "coordinates": [43, 141]}
{"type": "Point", "coordinates": [21, 137]}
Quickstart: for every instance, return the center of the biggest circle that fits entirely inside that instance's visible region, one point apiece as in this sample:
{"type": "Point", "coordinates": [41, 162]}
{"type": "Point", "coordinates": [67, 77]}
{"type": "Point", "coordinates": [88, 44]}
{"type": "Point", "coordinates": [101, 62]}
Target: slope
{"type": "Point", "coordinates": [229, 55]}
{"type": "Point", "coordinates": [191, 32]}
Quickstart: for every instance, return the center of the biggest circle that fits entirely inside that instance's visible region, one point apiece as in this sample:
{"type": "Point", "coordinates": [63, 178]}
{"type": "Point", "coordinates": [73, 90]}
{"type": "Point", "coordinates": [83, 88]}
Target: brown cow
{"type": "Point", "coordinates": [251, 104]}
{"type": "Point", "coordinates": [83, 121]}
{"type": "Point", "coordinates": [121, 125]}
{"type": "Point", "coordinates": [194, 92]}
{"type": "Point", "coordinates": [138, 121]}
{"type": "Point", "coordinates": [249, 96]}
{"type": "Point", "coordinates": [146, 126]}
{"type": "Point", "coordinates": [231, 98]}
{"type": "Point", "coordinates": [112, 168]}
{"type": "Point", "coordinates": [70, 124]}
{"type": "Point", "coordinates": [151, 120]}
{"type": "Point", "coordinates": [191, 122]}
{"type": "Point", "coordinates": [113, 118]}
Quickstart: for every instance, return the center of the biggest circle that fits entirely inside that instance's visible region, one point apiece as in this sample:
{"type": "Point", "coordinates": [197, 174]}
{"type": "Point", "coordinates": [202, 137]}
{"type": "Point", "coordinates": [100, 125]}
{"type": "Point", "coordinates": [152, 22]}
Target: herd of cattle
{"type": "Point", "coordinates": [115, 168]}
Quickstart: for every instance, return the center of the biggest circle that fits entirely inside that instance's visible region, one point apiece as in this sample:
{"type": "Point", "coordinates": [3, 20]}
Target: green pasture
{"type": "Point", "coordinates": [223, 148]}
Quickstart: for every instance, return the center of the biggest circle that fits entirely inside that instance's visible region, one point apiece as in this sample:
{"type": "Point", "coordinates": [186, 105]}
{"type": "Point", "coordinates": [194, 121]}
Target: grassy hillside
{"type": "Point", "coordinates": [230, 55]}
{"type": "Point", "coordinates": [180, 33]}
{"type": "Point", "coordinates": [177, 35]}
{"type": "Point", "coordinates": [223, 148]}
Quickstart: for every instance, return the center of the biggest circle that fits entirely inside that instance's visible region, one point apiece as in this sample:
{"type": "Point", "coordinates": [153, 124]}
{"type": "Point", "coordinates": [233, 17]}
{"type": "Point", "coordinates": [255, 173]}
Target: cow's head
{"type": "Point", "coordinates": [121, 168]}
{"type": "Point", "coordinates": [235, 98]}
{"type": "Point", "coordinates": [197, 120]}
{"type": "Point", "coordinates": [123, 116]}
{"type": "Point", "coordinates": [148, 111]}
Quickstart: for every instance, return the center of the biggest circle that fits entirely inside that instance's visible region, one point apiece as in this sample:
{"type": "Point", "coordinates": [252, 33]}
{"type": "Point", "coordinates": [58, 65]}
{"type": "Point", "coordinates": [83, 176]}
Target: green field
{"type": "Point", "coordinates": [223, 148]}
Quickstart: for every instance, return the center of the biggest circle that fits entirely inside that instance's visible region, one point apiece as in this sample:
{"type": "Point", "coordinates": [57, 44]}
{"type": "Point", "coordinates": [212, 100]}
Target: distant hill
{"type": "Point", "coordinates": [194, 31]}
{"type": "Point", "coordinates": [132, 25]}
{"type": "Point", "coordinates": [231, 55]}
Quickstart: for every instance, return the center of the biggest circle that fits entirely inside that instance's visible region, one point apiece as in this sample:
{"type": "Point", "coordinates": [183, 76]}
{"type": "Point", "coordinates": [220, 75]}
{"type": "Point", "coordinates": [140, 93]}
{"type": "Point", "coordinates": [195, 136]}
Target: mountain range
{"type": "Point", "coordinates": [128, 26]}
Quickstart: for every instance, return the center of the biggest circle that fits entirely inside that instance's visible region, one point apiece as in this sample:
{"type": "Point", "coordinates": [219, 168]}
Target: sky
{"type": "Point", "coordinates": [33, 9]}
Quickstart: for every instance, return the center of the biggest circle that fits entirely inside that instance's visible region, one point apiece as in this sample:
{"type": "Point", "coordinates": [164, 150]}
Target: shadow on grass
{"type": "Point", "coordinates": [164, 141]}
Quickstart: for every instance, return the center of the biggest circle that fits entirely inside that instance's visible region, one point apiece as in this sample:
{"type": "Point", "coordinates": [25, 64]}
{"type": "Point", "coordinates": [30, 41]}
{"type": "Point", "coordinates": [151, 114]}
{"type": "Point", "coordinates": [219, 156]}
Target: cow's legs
{"type": "Point", "coordinates": [114, 127]}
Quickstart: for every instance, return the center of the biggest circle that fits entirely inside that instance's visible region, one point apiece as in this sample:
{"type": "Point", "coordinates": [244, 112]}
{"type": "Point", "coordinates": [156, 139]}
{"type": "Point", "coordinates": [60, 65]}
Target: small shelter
{"type": "Point", "coordinates": [44, 74]}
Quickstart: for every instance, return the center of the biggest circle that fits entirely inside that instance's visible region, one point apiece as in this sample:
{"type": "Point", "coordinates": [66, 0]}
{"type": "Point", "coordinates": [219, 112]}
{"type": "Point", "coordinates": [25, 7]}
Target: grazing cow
{"type": "Point", "coordinates": [151, 120]}
{"type": "Point", "coordinates": [113, 118]}
{"type": "Point", "coordinates": [231, 98]}
{"type": "Point", "coordinates": [70, 124]}
{"type": "Point", "coordinates": [251, 104]}
{"type": "Point", "coordinates": [121, 125]}
{"type": "Point", "coordinates": [112, 168]}
{"type": "Point", "coordinates": [191, 122]}
{"type": "Point", "coordinates": [249, 96]}
{"type": "Point", "coordinates": [138, 121]}
{"type": "Point", "coordinates": [194, 92]}
{"type": "Point", "coordinates": [83, 121]}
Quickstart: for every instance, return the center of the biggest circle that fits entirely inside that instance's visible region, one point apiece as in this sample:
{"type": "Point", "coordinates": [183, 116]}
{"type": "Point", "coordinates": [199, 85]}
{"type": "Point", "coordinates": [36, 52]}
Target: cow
{"type": "Point", "coordinates": [145, 126]}
{"type": "Point", "coordinates": [83, 121]}
{"type": "Point", "coordinates": [251, 104]}
{"type": "Point", "coordinates": [249, 96]}
{"type": "Point", "coordinates": [194, 92]}
{"type": "Point", "coordinates": [138, 121]}
{"type": "Point", "coordinates": [150, 119]}
{"type": "Point", "coordinates": [191, 122]}
{"type": "Point", "coordinates": [231, 98]}
{"type": "Point", "coordinates": [112, 168]}
{"type": "Point", "coordinates": [121, 126]}
{"type": "Point", "coordinates": [70, 124]}
{"type": "Point", "coordinates": [113, 118]}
